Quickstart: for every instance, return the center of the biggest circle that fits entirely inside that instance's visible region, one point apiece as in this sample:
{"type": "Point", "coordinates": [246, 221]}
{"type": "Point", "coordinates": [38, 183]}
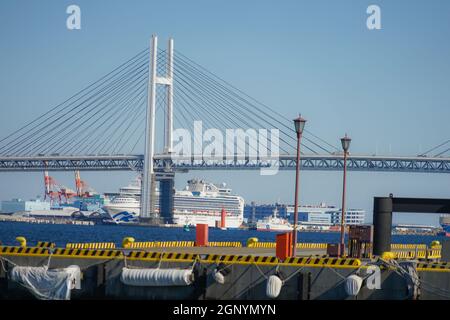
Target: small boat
{"type": "Point", "coordinates": [274, 223]}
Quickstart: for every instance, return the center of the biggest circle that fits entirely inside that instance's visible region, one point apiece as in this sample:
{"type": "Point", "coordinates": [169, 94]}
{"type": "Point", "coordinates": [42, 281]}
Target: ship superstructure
{"type": "Point", "coordinates": [199, 202]}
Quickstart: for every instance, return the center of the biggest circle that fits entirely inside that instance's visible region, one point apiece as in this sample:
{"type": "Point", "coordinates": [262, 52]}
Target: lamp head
{"type": "Point", "coordinates": [345, 143]}
{"type": "Point", "coordinates": [299, 124]}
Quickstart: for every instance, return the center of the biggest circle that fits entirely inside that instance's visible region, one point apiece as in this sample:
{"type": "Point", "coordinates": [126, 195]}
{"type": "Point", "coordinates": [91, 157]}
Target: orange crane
{"type": "Point", "coordinates": [50, 188]}
{"type": "Point", "coordinates": [82, 188]}
{"type": "Point", "coordinates": [55, 190]}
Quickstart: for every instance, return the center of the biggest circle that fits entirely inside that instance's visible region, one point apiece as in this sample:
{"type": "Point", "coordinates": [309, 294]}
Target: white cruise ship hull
{"type": "Point", "coordinates": [53, 213]}
{"type": "Point", "coordinates": [211, 220]}
{"type": "Point", "coordinates": [131, 214]}
{"type": "Point", "coordinates": [122, 214]}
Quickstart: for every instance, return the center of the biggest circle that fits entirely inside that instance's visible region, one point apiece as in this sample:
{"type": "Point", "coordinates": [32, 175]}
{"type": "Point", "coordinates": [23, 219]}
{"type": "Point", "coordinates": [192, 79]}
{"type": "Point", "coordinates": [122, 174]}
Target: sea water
{"type": "Point", "coordinates": [62, 234]}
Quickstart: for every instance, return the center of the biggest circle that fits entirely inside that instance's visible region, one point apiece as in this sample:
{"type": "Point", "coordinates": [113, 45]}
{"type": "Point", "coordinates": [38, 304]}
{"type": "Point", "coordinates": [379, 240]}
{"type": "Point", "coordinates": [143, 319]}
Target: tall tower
{"type": "Point", "coordinates": [148, 183]}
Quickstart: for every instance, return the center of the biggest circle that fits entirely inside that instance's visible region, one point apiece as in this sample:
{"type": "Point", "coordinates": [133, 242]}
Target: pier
{"type": "Point", "coordinates": [309, 276]}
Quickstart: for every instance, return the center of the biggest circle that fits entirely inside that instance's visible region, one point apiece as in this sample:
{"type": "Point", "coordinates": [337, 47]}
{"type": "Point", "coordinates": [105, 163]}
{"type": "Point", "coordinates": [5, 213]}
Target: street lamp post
{"type": "Point", "coordinates": [345, 146]}
{"type": "Point", "coordinates": [299, 125]}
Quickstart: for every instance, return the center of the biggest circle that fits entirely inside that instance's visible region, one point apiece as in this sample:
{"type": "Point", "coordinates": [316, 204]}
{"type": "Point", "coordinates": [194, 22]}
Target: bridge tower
{"type": "Point", "coordinates": [149, 180]}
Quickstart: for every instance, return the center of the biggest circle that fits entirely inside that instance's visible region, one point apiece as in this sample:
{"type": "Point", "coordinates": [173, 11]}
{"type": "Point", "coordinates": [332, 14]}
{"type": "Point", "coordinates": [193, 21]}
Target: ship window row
{"type": "Point", "coordinates": [207, 199]}
{"type": "Point", "coordinates": [216, 209]}
{"type": "Point", "coordinates": [203, 203]}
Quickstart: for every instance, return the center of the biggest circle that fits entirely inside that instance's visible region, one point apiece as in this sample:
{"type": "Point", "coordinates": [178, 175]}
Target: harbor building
{"type": "Point", "coordinates": [314, 215]}
{"type": "Point", "coordinates": [19, 205]}
{"type": "Point", "coordinates": [327, 215]}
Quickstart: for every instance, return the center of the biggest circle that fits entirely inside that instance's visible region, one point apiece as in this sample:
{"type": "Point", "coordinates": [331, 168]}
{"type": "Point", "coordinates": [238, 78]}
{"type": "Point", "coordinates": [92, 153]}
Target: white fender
{"type": "Point", "coordinates": [353, 285]}
{"type": "Point", "coordinates": [273, 287]}
{"type": "Point", "coordinates": [219, 277]}
{"type": "Point", "coordinates": [156, 277]}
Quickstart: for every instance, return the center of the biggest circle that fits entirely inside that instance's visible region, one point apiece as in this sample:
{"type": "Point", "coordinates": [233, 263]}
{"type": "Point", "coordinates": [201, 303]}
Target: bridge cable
{"type": "Point", "coordinates": [103, 81]}
{"type": "Point", "coordinates": [228, 96]}
{"type": "Point", "coordinates": [265, 106]}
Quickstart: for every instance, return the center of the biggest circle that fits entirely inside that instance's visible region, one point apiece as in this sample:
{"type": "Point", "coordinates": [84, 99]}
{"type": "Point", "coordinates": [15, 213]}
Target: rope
{"type": "Point", "coordinates": [260, 271]}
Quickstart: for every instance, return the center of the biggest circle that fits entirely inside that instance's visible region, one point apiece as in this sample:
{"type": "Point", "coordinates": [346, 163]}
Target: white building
{"type": "Point", "coordinates": [327, 215]}
{"type": "Point", "coordinates": [19, 205]}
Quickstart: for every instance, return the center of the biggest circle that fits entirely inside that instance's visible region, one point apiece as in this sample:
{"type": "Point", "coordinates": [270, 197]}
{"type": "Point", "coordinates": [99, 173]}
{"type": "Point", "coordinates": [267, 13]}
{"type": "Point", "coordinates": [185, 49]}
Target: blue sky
{"type": "Point", "coordinates": [388, 88]}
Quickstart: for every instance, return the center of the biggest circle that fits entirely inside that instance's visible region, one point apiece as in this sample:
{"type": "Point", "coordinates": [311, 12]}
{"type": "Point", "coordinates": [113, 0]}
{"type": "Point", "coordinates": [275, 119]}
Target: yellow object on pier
{"type": "Point", "coordinates": [22, 241]}
{"type": "Point", "coordinates": [388, 255]}
{"type": "Point", "coordinates": [127, 241]}
{"type": "Point", "coordinates": [251, 242]}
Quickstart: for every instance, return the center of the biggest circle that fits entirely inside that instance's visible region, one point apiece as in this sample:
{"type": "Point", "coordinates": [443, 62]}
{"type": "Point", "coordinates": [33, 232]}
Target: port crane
{"type": "Point", "coordinates": [82, 188]}
{"type": "Point", "coordinates": [55, 190]}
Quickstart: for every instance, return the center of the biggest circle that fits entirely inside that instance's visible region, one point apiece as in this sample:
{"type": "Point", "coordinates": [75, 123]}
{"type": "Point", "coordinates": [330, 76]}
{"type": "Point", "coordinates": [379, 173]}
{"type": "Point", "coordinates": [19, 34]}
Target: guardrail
{"type": "Point", "coordinates": [303, 245]}
{"type": "Point", "coordinates": [91, 245]}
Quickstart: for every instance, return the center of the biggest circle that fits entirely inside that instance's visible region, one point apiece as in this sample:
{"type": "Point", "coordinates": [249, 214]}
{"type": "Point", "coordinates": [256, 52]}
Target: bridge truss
{"type": "Point", "coordinates": [179, 164]}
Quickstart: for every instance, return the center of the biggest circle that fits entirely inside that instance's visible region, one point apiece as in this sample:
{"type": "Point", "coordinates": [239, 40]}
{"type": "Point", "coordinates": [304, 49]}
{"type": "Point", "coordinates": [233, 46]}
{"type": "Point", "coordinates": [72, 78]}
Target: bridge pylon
{"type": "Point", "coordinates": [149, 182]}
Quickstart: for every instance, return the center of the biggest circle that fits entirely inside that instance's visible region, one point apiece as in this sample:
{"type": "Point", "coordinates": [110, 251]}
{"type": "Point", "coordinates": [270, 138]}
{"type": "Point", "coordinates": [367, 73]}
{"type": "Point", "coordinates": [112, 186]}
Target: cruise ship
{"type": "Point", "coordinates": [199, 203]}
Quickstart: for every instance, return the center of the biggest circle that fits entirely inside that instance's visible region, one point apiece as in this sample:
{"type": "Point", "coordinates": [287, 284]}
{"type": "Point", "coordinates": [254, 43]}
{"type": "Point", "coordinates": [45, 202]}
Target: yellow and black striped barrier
{"type": "Point", "coordinates": [93, 245]}
{"type": "Point", "coordinates": [87, 253]}
{"type": "Point", "coordinates": [434, 266]}
{"type": "Point", "coordinates": [303, 245]}
{"type": "Point", "coordinates": [408, 246]}
{"type": "Point", "coordinates": [433, 253]}
{"type": "Point", "coordinates": [156, 256]}
{"type": "Point", "coordinates": [24, 251]}
{"type": "Point", "coordinates": [240, 259]}
{"type": "Point", "coordinates": [60, 252]}
{"type": "Point", "coordinates": [141, 245]}
{"type": "Point", "coordinates": [270, 245]}
{"type": "Point", "coordinates": [273, 261]}
{"type": "Point", "coordinates": [312, 245]}
{"type": "Point", "coordinates": [173, 244]}
{"type": "Point", "coordinates": [234, 244]}
{"type": "Point", "coordinates": [45, 244]}
{"type": "Point", "coordinates": [324, 262]}
{"type": "Point", "coordinates": [178, 257]}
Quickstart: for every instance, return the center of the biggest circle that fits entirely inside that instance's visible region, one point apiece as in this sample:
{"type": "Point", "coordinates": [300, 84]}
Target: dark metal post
{"type": "Point", "coordinates": [297, 176]}
{"type": "Point", "coordinates": [345, 141]}
{"type": "Point", "coordinates": [342, 248]}
{"type": "Point", "coordinates": [382, 224]}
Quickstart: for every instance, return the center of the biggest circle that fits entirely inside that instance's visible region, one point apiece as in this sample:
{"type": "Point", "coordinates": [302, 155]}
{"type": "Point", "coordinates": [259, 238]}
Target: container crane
{"type": "Point", "coordinates": [54, 190]}
{"type": "Point", "coordinates": [82, 188]}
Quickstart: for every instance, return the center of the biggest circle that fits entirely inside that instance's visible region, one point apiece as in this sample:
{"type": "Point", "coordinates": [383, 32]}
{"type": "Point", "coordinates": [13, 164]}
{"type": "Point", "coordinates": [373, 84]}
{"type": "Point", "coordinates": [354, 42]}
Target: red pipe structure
{"type": "Point", "coordinates": [223, 216]}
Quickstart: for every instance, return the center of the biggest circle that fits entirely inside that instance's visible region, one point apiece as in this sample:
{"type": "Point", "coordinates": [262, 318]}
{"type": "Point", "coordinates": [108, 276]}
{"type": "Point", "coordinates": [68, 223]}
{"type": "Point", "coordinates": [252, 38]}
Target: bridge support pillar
{"type": "Point", "coordinates": [382, 224]}
{"type": "Point", "coordinates": [166, 194]}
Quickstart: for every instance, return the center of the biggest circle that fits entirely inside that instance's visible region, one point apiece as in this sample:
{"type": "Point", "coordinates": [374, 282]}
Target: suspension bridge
{"type": "Point", "coordinates": [112, 123]}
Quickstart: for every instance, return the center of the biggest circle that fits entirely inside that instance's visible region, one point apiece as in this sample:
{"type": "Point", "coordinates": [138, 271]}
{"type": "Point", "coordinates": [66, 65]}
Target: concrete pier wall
{"type": "Point", "coordinates": [101, 280]}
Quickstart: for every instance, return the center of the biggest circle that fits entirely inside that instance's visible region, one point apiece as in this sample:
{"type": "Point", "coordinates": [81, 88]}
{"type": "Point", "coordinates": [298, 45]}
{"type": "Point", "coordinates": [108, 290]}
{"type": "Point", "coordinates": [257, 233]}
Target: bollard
{"type": "Point", "coordinates": [22, 241]}
{"type": "Point", "coordinates": [388, 255]}
{"type": "Point", "coordinates": [435, 243]}
{"type": "Point", "coordinates": [201, 236]}
{"type": "Point", "coordinates": [251, 242]}
{"type": "Point", "coordinates": [127, 241]}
